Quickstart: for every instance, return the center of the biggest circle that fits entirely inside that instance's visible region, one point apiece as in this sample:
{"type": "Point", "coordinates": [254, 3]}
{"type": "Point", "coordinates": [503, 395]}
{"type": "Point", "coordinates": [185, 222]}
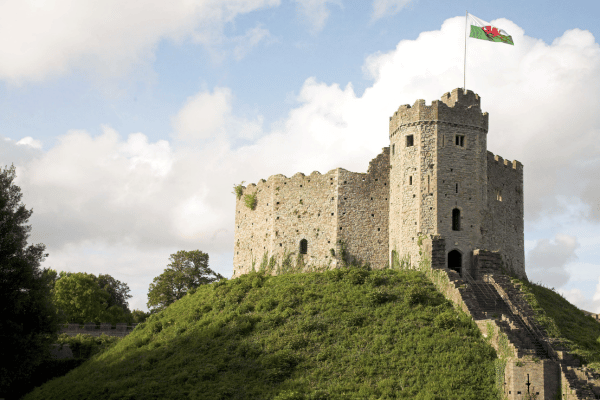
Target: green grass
{"type": "Point", "coordinates": [341, 334]}
{"type": "Point", "coordinates": [562, 320]}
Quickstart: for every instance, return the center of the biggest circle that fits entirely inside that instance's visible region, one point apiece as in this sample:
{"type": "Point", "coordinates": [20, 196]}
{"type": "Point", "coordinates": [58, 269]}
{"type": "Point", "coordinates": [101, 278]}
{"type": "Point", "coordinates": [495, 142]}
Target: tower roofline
{"type": "Point", "coordinates": [459, 107]}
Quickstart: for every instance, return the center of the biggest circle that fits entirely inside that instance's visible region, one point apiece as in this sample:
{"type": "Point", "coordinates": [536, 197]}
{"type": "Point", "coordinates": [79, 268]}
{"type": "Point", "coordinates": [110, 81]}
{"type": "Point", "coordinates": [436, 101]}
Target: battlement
{"type": "Point", "coordinates": [463, 98]}
{"type": "Point", "coordinates": [458, 108]}
{"type": "Point", "coordinates": [501, 162]}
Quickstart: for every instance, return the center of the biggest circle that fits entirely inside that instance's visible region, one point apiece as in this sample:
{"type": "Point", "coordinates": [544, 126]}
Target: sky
{"type": "Point", "coordinates": [129, 122]}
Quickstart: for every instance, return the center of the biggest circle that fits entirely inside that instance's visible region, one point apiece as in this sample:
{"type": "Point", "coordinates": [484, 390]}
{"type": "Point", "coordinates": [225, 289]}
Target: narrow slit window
{"type": "Point", "coordinates": [410, 180]}
{"type": "Point", "coordinates": [409, 140]}
{"type": "Point", "coordinates": [457, 188]}
{"type": "Point", "coordinates": [428, 179]}
{"type": "Point", "coordinates": [456, 219]}
{"type": "Point", "coordinates": [393, 149]}
{"type": "Point", "coordinates": [460, 140]}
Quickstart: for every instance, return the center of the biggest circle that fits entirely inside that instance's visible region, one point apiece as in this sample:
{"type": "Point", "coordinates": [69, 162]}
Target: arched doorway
{"type": "Point", "coordinates": [455, 260]}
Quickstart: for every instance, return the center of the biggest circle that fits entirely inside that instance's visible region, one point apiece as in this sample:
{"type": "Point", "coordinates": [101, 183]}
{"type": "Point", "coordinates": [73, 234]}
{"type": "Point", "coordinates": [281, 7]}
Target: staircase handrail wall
{"type": "Point", "coordinates": [529, 325]}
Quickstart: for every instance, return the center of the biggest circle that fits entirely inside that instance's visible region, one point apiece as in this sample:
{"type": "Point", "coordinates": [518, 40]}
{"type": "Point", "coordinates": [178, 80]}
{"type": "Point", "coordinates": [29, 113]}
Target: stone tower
{"type": "Point", "coordinates": [438, 176]}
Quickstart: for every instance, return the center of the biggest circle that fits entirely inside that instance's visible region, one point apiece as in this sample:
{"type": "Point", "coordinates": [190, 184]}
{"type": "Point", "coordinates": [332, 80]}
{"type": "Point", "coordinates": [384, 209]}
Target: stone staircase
{"type": "Point", "coordinates": [579, 381]}
{"type": "Point", "coordinates": [518, 332]}
{"type": "Point", "coordinates": [499, 299]}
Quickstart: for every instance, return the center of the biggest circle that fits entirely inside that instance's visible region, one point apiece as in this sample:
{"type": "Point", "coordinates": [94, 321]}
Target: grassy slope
{"type": "Point", "coordinates": [345, 334]}
{"type": "Point", "coordinates": [563, 320]}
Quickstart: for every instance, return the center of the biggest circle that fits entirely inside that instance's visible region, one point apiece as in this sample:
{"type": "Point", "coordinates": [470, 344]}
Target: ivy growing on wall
{"type": "Point", "coordinates": [250, 200]}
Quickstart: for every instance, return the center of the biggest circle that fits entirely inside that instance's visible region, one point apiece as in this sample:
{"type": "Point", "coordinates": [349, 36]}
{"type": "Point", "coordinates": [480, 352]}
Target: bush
{"type": "Point", "coordinates": [85, 346]}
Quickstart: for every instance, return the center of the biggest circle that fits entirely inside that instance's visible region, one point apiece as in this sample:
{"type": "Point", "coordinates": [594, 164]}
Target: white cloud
{"type": "Point", "coordinates": [382, 8]}
{"type": "Point", "coordinates": [31, 142]}
{"type": "Point", "coordinates": [576, 297]}
{"type": "Point", "coordinates": [248, 41]}
{"type": "Point", "coordinates": [547, 261]}
{"type": "Point", "coordinates": [105, 37]}
{"type": "Point", "coordinates": [209, 115]}
{"type": "Point", "coordinates": [315, 12]}
{"type": "Point", "coordinates": [203, 115]}
{"type": "Point", "coordinates": [165, 196]}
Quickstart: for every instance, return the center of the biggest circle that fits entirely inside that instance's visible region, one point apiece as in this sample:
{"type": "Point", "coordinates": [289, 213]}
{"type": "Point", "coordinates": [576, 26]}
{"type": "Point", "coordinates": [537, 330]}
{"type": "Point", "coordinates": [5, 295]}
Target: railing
{"type": "Point", "coordinates": [484, 288]}
{"type": "Point", "coordinates": [531, 328]}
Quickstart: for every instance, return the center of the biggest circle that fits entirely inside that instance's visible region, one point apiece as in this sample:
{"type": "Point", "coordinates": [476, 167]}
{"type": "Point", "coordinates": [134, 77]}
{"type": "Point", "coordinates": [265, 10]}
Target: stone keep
{"type": "Point", "coordinates": [436, 181]}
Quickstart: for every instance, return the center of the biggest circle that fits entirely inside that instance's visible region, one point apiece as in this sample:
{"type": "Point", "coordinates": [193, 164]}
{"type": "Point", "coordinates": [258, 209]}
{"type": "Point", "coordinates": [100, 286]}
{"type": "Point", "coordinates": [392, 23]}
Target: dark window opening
{"type": "Point", "coordinates": [455, 260]}
{"type": "Point", "coordinates": [303, 246]}
{"type": "Point", "coordinates": [409, 140]}
{"type": "Point", "coordinates": [456, 219]}
{"type": "Point", "coordinates": [410, 180]}
{"type": "Point", "coordinates": [460, 140]}
{"type": "Point", "coordinates": [393, 149]}
{"type": "Point", "coordinates": [457, 188]}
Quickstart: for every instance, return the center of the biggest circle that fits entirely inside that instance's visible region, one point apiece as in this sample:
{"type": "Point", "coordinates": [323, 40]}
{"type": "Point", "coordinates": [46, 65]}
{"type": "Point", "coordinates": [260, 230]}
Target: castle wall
{"type": "Point", "coordinates": [288, 210]}
{"type": "Point", "coordinates": [363, 207]}
{"type": "Point", "coordinates": [253, 228]}
{"type": "Point", "coordinates": [503, 227]}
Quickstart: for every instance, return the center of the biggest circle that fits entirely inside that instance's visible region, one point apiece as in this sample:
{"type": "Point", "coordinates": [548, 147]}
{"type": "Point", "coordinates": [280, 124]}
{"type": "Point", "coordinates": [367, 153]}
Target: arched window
{"type": "Point", "coordinates": [303, 246]}
{"type": "Point", "coordinates": [456, 219]}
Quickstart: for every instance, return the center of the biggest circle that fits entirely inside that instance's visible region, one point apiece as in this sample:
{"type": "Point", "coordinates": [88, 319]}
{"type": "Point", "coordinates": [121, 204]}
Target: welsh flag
{"type": "Point", "coordinates": [486, 31]}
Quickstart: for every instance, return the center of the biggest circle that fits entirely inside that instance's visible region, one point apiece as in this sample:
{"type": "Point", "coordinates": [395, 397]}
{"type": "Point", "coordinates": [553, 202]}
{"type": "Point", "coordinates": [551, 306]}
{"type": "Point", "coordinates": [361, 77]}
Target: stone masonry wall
{"type": "Point", "coordinates": [503, 227]}
{"type": "Point", "coordinates": [288, 210]}
{"type": "Point", "coordinates": [363, 209]}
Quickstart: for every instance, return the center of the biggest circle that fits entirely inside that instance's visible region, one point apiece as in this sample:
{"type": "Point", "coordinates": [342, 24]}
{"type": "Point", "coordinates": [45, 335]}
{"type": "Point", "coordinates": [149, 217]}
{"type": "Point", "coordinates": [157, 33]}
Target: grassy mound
{"type": "Point", "coordinates": [563, 320]}
{"type": "Point", "coordinates": [341, 334]}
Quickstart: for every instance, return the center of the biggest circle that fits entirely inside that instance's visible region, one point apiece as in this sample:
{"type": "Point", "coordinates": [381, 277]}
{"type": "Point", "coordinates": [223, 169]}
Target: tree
{"type": "Point", "coordinates": [28, 321]}
{"type": "Point", "coordinates": [138, 316]}
{"type": "Point", "coordinates": [187, 270]}
{"type": "Point", "coordinates": [80, 299]}
{"type": "Point", "coordinates": [118, 291]}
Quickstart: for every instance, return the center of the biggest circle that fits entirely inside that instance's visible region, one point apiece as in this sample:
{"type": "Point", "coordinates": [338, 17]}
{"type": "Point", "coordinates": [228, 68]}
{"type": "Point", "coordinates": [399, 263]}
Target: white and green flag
{"type": "Point", "coordinates": [486, 31]}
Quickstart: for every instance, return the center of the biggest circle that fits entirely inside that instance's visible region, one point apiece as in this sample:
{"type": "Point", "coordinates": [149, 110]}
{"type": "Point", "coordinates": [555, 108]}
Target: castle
{"type": "Point", "coordinates": [436, 180]}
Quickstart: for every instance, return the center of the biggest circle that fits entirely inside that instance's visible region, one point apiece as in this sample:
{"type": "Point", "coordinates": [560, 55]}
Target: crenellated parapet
{"type": "Point", "coordinates": [499, 162]}
{"type": "Point", "coordinates": [456, 108]}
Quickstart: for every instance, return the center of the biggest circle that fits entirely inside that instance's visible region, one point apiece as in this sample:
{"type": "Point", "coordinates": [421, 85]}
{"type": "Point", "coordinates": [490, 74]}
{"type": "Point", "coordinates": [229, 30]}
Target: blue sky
{"type": "Point", "coordinates": [129, 122]}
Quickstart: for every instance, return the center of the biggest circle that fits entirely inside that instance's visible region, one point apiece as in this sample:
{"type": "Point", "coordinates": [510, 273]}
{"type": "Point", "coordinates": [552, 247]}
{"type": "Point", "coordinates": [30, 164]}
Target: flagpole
{"type": "Point", "coordinates": [465, 64]}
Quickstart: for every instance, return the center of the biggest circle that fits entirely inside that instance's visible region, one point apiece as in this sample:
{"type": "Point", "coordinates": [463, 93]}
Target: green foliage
{"type": "Point", "coordinates": [118, 291]}
{"type": "Point", "coordinates": [28, 320]}
{"type": "Point", "coordinates": [564, 321]}
{"type": "Point", "coordinates": [238, 190]}
{"type": "Point", "coordinates": [138, 316]}
{"type": "Point", "coordinates": [85, 346]}
{"type": "Point", "coordinates": [250, 200]}
{"type": "Point", "coordinates": [80, 299]}
{"type": "Point", "coordinates": [188, 270]}
{"type": "Point", "coordinates": [341, 334]}
{"type": "Point", "coordinates": [400, 263]}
